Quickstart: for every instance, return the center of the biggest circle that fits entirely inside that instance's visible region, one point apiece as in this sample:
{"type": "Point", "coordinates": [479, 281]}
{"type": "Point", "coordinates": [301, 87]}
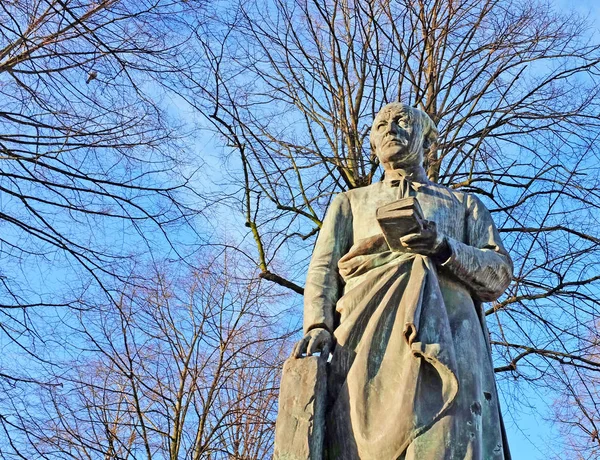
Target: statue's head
{"type": "Point", "coordinates": [400, 135]}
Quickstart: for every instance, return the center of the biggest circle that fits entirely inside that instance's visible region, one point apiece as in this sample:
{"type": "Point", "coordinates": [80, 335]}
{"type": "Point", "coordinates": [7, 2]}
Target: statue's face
{"type": "Point", "coordinates": [393, 135]}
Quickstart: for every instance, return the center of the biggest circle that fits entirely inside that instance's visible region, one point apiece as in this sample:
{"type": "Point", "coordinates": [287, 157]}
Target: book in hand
{"type": "Point", "coordinates": [400, 218]}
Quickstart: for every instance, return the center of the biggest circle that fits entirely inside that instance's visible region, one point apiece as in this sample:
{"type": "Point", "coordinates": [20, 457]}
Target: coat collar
{"type": "Point", "coordinates": [393, 178]}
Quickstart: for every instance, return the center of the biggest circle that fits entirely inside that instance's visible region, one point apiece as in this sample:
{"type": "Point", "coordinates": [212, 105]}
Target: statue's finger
{"type": "Point", "coordinates": [294, 353]}
{"type": "Point", "coordinates": [326, 350]}
{"type": "Point", "coordinates": [313, 346]}
{"type": "Point", "coordinates": [410, 236]}
{"type": "Point", "coordinates": [429, 225]}
{"type": "Point", "coordinates": [406, 240]}
{"type": "Point", "coordinates": [421, 241]}
{"type": "Point", "coordinates": [417, 245]}
{"type": "Point", "coordinates": [299, 348]}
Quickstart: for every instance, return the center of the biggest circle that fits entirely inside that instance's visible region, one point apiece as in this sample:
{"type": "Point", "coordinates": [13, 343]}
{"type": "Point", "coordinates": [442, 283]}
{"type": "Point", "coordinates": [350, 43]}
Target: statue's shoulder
{"type": "Point", "coordinates": [365, 194]}
{"type": "Point", "coordinates": [363, 191]}
{"type": "Point", "coordinates": [467, 200]}
{"type": "Point", "coordinates": [442, 191]}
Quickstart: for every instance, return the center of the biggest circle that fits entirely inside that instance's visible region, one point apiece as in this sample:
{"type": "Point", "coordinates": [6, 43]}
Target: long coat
{"type": "Point", "coordinates": [411, 375]}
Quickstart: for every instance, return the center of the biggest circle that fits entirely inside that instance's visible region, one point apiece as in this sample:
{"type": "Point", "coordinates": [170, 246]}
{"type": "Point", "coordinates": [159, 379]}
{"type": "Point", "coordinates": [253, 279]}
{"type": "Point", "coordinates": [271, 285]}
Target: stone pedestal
{"type": "Point", "coordinates": [300, 427]}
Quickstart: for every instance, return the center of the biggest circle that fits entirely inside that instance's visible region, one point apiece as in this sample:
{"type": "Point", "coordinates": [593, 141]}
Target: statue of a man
{"type": "Point", "coordinates": [411, 375]}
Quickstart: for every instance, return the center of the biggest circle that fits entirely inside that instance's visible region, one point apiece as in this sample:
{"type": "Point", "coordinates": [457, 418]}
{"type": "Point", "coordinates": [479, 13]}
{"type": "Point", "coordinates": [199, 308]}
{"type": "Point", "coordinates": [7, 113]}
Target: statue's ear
{"type": "Point", "coordinates": [373, 156]}
{"type": "Point", "coordinates": [427, 141]}
{"type": "Point", "coordinates": [430, 138]}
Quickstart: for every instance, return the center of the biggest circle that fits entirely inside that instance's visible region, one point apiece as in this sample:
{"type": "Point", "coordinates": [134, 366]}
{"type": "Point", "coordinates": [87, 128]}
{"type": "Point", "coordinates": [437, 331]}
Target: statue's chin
{"type": "Point", "coordinates": [400, 160]}
{"type": "Point", "coordinates": [394, 154]}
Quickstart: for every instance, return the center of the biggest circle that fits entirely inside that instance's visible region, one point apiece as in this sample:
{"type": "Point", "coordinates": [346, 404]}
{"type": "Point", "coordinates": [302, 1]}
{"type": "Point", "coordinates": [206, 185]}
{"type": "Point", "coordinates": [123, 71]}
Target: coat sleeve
{"type": "Point", "coordinates": [481, 263]}
{"type": "Point", "coordinates": [324, 286]}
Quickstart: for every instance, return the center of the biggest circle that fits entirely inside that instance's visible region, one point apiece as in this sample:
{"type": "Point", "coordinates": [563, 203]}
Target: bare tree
{"type": "Point", "coordinates": [91, 178]}
{"type": "Point", "coordinates": [187, 367]}
{"type": "Point", "coordinates": [291, 86]}
{"type": "Point", "coordinates": [513, 86]}
{"type": "Point", "coordinates": [87, 157]}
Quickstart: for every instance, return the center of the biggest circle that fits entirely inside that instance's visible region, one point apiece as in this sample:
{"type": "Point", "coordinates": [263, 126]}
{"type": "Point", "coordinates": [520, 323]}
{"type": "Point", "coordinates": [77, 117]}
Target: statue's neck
{"type": "Point", "coordinates": [412, 173]}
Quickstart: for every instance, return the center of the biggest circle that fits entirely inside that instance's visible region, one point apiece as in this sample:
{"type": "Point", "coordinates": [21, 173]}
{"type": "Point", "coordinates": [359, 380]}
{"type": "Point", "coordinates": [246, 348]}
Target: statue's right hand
{"type": "Point", "coordinates": [315, 340]}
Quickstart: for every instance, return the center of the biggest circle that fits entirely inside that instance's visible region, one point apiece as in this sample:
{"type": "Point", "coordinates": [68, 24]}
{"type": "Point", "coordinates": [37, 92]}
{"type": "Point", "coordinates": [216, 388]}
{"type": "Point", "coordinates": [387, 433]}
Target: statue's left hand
{"type": "Point", "coordinates": [428, 242]}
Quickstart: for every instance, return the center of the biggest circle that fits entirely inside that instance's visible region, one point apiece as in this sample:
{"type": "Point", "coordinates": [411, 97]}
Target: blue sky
{"type": "Point", "coordinates": [531, 433]}
{"type": "Point", "coordinates": [530, 436]}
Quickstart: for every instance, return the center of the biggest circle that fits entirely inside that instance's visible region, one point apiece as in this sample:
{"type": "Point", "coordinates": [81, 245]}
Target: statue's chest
{"type": "Point", "coordinates": [446, 211]}
{"type": "Point", "coordinates": [439, 205]}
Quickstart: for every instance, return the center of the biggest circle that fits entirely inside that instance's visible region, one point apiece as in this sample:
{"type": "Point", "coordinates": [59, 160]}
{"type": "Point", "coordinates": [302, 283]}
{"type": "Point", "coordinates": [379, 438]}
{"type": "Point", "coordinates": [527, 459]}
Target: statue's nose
{"type": "Point", "coordinates": [392, 128]}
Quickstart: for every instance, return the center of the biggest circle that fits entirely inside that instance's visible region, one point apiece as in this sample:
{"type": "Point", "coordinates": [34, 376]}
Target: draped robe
{"type": "Point", "coordinates": [411, 375]}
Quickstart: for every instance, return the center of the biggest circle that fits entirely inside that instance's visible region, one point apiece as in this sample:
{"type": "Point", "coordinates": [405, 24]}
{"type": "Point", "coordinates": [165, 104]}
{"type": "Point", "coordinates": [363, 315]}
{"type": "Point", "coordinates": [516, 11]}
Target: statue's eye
{"type": "Point", "coordinates": [400, 121]}
{"type": "Point", "coordinates": [381, 126]}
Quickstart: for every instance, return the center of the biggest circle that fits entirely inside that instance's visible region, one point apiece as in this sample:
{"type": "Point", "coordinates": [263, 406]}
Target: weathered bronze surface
{"type": "Point", "coordinates": [410, 376]}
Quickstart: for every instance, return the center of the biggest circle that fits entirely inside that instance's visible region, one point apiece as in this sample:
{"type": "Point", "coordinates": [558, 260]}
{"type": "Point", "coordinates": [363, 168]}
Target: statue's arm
{"type": "Point", "coordinates": [481, 263]}
{"type": "Point", "coordinates": [323, 282]}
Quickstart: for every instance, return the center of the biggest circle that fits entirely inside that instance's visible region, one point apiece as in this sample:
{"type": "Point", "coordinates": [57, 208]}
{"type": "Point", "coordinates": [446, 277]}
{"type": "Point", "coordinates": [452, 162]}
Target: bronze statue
{"type": "Point", "coordinates": [410, 375]}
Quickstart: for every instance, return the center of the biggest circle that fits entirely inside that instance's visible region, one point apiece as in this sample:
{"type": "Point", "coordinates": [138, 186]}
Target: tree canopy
{"type": "Point", "coordinates": [96, 182]}
{"type": "Point", "coordinates": [292, 86]}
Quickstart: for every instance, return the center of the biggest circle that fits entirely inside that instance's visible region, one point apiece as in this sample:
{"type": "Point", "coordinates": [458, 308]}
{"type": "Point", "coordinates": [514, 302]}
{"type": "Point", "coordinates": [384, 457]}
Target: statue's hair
{"type": "Point", "coordinates": [418, 118]}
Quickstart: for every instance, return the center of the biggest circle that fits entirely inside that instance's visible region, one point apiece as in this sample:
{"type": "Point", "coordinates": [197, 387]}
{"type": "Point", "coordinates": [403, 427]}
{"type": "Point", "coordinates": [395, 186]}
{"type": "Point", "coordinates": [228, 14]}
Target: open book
{"type": "Point", "coordinates": [399, 218]}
